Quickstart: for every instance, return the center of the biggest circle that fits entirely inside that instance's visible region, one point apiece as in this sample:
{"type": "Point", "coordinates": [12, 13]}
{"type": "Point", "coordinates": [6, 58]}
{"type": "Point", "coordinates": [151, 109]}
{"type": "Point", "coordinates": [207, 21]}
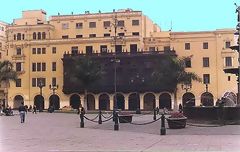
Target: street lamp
{"type": "Point", "coordinates": [206, 86]}
{"type": "Point", "coordinates": [53, 88]}
{"type": "Point", "coordinates": [186, 86]}
{"type": "Point", "coordinates": [40, 85]}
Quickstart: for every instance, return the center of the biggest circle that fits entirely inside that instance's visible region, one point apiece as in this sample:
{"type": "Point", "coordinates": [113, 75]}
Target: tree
{"type": "Point", "coordinates": [170, 72]}
{"type": "Point", "coordinates": [7, 73]}
{"type": "Point", "coordinates": [87, 72]}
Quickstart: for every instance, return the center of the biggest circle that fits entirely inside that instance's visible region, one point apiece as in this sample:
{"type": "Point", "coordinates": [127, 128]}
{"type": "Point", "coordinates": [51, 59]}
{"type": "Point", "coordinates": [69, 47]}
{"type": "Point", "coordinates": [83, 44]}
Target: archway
{"type": "Point", "coordinates": [54, 101]}
{"type": "Point", "coordinates": [165, 101]}
{"type": "Point", "coordinates": [39, 102]}
{"type": "Point", "coordinates": [134, 101]}
{"type": "Point", "coordinates": [120, 101]}
{"type": "Point", "coordinates": [75, 101]}
{"type": "Point", "coordinates": [149, 101]}
{"type": "Point", "coordinates": [207, 99]}
{"type": "Point", "coordinates": [90, 102]}
{"type": "Point", "coordinates": [104, 102]}
{"type": "Point", "coordinates": [18, 100]}
{"type": "Point", "coordinates": [188, 100]}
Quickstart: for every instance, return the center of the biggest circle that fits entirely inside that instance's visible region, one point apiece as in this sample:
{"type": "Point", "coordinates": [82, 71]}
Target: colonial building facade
{"type": "Point", "coordinates": [39, 47]}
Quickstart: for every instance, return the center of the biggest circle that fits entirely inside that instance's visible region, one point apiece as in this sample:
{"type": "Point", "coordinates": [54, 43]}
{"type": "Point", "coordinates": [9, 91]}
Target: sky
{"type": "Point", "coordinates": [180, 15]}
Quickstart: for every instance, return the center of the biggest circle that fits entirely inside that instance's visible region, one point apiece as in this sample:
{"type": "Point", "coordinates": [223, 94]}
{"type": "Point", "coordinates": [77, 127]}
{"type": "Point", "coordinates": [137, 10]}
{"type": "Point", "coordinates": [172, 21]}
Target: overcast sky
{"type": "Point", "coordinates": [182, 15]}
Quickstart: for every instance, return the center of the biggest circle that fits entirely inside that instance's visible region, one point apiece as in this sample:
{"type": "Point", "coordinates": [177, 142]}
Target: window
{"type": "Point", "coordinates": [79, 36]}
{"type": "Point", "coordinates": [206, 62]}
{"type": "Point", "coordinates": [54, 50]}
{"type": "Point", "coordinates": [0, 45]}
{"type": "Point", "coordinates": [188, 63]}
{"type": "Point", "coordinates": [54, 81]}
{"type": "Point", "coordinates": [34, 51]}
{"type": "Point", "coordinates": [92, 35]}
{"type": "Point", "coordinates": [135, 33]}
{"type": "Point", "coordinates": [135, 22]}
{"type": "Point", "coordinates": [54, 66]}
{"type": "Point", "coordinates": [89, 49]}
{"type": "Point", "coordinates": [227, 44]}
{"type": "Point", "coordinates": [79, 25]}
{"type": "Point", "coordinates": [18, 83]}
{"type": "Point", "coordinates": [0, 55]}
{"type": "Point", "coordinates": [34, 36]}
{"type": "Point", "coordinates": [43, 35]}
{"type": "Point", "coordinates": [38, 50]}
{"type": "Point", "coordinates": [205, 45]}
{"type": "Point", "coordinates": [133, 48]}
{"type": "Point", "coordinates": [120, 23]}
{"type": "Point", "coordinates": [18, 66]}
{"type": "Point", "coordinates": [65, 26]}
{"type": "Point", "coordinates": [121, 34]}
{"type": "Point", "coordinates": [229, 78]}
{"type": "Point", "coordinates": [107, 35]}
{"type": "Point", "coordinates": [228, 61]}
{"type": "Point", "coordinates": [23, 36]}
{"type": "Point", "coordinates": [43, 50]}
{"type": "Point", "coordinates": [151, 48]}
{"type": "Point", "coordinates": [19, 36]}
{"type": "Point", "coordinates": [43, 66]}
{"type": "Point", "coordinates": [14, 36]}
{"type": "Point", "coordinates": [33, 67]}
{"type": "Point", "coordinates": [65, 37]}
{"type": "Point", "coordinates": [38, 66]}
{"type": "Point", "coordinates": [19, 51]}
{"type": "Point", "coordinates": [39, 35]}
{"type": "Point", "coordinates": [103, 49]}
{"type": "Point", "coordinates": [206, 78]}
{"type": "Point", "coordinates": [187, 46]}
{"type": "Point", "coordinates": [166, 48]}
{"type": "Point", "coordinates": [74, 50]}
{"type": "Point", "coordinates": [41, 80]}
{"type": "Point", "coordinates": [106, 24]}
{"type": "Point", "coordinates": [34, 82]}
{"type": "Point", "coordinates": [92, 24]}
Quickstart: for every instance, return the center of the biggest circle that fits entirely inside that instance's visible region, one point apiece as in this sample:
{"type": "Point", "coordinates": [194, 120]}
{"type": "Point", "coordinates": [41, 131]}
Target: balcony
{"type": "Point", "coordinates": [18, 57]}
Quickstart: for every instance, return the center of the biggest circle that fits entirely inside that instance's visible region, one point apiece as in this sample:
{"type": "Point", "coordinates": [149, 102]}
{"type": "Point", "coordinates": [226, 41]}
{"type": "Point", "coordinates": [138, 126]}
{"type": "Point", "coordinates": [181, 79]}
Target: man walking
{"type": "Point", "coordinates": [22, 111]}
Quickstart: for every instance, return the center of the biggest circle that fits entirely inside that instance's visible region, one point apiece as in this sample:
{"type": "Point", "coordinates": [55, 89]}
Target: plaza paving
{"type": "Point", "coordinates": [44, 132]}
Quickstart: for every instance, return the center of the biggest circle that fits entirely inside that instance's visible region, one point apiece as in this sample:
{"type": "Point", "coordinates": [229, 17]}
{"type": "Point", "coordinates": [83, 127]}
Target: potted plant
{"type": "Point", "coordinates": [177, 120]}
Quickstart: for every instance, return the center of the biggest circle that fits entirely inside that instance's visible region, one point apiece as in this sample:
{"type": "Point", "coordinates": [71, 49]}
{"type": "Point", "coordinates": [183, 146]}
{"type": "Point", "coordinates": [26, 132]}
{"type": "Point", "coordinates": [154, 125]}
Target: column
{"type": "Point", "coordinates": [157, 100]}
{"type": "Point", "coordinates": [125, 101]}
{"type": "Point", "coordinates": [111, 101]}
{"type": "Point", "coordinates": [82, 101]}
{"type": "Point", "coordinates": [96, 98]}
{"type": "Point", "coordinates": [141, 100]}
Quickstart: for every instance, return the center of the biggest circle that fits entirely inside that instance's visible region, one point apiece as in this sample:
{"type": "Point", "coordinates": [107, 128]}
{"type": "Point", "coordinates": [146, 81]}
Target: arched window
{"type": "Point", "coordinates": [34, 36]}
{"type": "Point", "coordinates": [14, 36]}
{"type": "Point", "coordinates": [39, 35]}
{"type": "Point", "coordinates": [43, 35]}
{"type": "Point", "coordinates": [19, 36]}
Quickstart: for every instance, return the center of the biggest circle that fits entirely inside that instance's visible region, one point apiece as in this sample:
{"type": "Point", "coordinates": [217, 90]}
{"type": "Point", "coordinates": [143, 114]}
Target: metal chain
{"type": "Point", "coordinates": [106, 116]}
{"type": "Point", "coordinates": [146, 123]}
{"type": "Point", "coordinates": [91, 119]}
{"type": "Point", "coordinates": [107, 119]}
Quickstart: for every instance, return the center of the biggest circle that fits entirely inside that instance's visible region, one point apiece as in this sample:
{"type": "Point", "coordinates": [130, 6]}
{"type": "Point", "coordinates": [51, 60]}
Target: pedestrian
{"type": "Point", "coordinates": [34, 109]}
{"type": "Point", "coordinates": [157, 109]}
{"type": "Point", "coordinates": [30, 108]}
{"type": "Point", "coordinates": [22, 110]}
{"type": "Point", "coordinates": [26, 107]}
{"type": "Point", "coordinates": [180, 108]}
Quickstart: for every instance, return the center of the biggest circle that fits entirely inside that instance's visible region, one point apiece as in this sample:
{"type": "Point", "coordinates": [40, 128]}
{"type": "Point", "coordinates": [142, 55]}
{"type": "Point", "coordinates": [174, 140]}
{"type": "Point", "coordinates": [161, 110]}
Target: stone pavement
{"type": "Point", "coordinates": [55, 132]}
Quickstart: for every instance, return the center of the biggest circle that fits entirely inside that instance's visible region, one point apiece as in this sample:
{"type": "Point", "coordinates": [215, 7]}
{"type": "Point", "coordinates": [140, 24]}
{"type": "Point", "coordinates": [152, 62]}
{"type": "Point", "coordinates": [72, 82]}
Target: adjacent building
{"type": "Point", "coordinates": [38, 48]}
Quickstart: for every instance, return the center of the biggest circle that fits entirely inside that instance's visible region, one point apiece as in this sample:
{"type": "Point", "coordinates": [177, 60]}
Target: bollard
{"type": "Point", "coordinates": [154, 114]}
{"type": "Point", "coordinates": [116, 125]}
{"type": "Point", "coordinates": [100, 117]}
{"type": "Point", "coordinates": [163, 129]}
{"type": "Point", "coordinates": [81, 120]}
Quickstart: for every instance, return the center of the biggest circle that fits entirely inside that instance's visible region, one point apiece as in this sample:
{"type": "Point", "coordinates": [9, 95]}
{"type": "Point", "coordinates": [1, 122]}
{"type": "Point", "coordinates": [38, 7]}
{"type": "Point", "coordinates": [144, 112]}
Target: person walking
{"type": "Point", "coordinates": [180, 108]}
{"type": "Point", "coordinates": [34, 109]}
{"type": "Point", "coordinates": [22, 110]}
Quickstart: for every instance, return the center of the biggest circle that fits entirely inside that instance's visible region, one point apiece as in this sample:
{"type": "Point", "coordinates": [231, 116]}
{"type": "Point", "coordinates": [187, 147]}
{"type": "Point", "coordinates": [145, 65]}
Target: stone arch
{"type": "Point", "coordinates": [75, 101]}
{"type": "Point", "coordinates": [54, 101]}
{"type": "Point", "coordinates": [18, 100]}
{"type": "Point", "coordinates": [165, 101]}
{"type": "Point", "coordinates": [207, 99]}
{"type": "Point", "coordinates": [134, 101]}
{"type": "Point", "coordinates": [188, 100]}
{"type": "Point", "coordinates": [104, 102]}
{"type": "Point", "coordinates": [39, 102]}
{"type": "Point", "coordinates": [90, 102]}
{"type": "Point", "coordinates": [149, 101]}
{"type": "Point", "coordinates": [120, 101]}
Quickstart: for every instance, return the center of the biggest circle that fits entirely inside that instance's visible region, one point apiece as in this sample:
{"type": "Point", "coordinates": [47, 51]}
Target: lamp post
{"type": "Point", "coordinates": [40, 85]}
{"type": "Point", "coordinates": [238, 29]}
{"type": "Point", "coordinates": [206, 86]}
{"type": "Point", "coordinates": [52, 104]}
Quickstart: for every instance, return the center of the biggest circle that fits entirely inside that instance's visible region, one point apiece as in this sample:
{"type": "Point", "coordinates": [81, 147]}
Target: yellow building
{"type": "Point", "coordinates": [36, 47]}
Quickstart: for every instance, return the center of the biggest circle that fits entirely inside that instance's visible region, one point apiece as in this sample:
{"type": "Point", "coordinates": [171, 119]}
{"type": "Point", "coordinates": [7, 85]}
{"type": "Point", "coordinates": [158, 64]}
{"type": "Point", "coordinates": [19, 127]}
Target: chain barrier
{"type": "Point", "coordinates": [93, 120]}
{"type": "Point", "coordinates": [106, 117]}
{"type": "Point", "coordinates": [146, 123]}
